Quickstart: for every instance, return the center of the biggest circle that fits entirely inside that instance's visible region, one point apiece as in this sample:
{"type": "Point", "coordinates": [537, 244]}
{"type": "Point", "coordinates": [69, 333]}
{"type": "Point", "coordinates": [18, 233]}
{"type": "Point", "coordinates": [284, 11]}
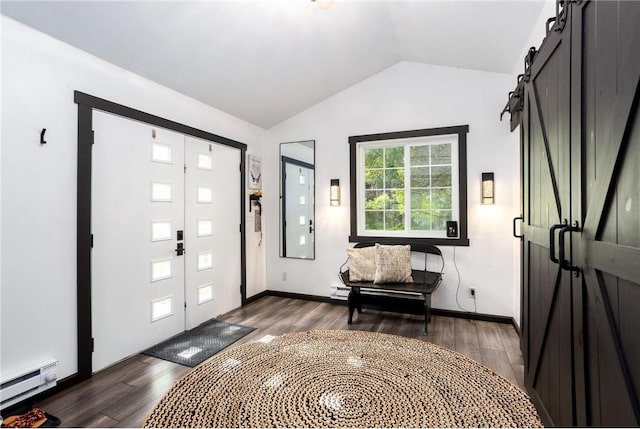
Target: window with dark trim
{"type": "Point", "coordinates": [406, 185]}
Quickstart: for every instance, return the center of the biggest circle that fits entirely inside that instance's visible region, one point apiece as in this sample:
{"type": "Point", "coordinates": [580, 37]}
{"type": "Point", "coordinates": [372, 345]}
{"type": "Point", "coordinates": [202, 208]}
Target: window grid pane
{"type": "Point", "coordinates": [384, 176]}
{"type": "Point", "coordinates": [160, 153]}
{"type": "Point", "coordinates": [161, 192]}
{"type": "Point", "coordinates": [204, 228]}
{"type": "Point", "coordinates": [205, 293]}
{"type": "Point", "coordinates": [161, 308]}
{"type": "Point", "coordinates": [204, 195]}
{"type": "Point", "coordinates": [205, 261]}
{"type": "Point", "coordinates": [161, 269]}
{"type": "Point", "coordinates": [431, 187]}
{"type": "Point", "coordinates": [205, 162]}
{"type": "Point", "coordinates": [160, 230]}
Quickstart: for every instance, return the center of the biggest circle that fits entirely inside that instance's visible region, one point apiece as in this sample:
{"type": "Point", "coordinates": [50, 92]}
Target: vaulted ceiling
{"type": "Point", "coordinates": [266, 60]}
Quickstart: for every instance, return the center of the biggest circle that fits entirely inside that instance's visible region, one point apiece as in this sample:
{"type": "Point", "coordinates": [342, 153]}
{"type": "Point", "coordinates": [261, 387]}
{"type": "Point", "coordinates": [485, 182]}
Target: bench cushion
{"type": "Point", "coordinates": [423, 282]}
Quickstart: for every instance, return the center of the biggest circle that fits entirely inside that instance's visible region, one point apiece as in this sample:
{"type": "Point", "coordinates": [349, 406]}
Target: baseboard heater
{"type": "Point", "coordinates": [27, 383]}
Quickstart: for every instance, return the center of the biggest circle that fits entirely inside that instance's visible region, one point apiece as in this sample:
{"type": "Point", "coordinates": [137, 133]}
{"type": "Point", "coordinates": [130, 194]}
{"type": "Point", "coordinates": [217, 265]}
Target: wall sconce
{"type": "Point", "coordinates": [487, 188]}
{"type": "Point", "coordinates": [334, 192]}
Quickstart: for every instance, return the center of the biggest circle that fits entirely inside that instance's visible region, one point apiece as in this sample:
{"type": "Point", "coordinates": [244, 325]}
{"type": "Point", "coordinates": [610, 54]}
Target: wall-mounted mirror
{"type": "Point", "coordinates": [297, 200]}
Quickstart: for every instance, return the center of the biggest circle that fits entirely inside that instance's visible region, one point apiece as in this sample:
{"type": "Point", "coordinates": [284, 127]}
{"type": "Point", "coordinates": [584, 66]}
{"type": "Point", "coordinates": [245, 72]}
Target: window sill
{"type": "Point", "coordinates": [436, 241]}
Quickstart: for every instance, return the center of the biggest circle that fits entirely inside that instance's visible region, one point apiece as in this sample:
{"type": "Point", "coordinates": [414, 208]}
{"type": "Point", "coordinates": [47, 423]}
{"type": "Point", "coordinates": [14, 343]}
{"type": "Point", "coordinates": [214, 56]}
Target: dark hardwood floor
{"type": "Point", "coordinates": [122, 395]}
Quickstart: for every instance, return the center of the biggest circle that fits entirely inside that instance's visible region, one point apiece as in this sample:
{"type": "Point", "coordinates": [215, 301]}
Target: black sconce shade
{"type": "Point", "coordinates": [334, 192]}
{"type": "Point", "coordinates": [487, 188]}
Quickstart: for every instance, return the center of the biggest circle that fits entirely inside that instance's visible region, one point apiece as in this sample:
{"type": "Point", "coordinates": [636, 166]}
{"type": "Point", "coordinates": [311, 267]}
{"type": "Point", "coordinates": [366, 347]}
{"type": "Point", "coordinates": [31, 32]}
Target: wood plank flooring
{"type": "Point", "coordinates": [122, 395]}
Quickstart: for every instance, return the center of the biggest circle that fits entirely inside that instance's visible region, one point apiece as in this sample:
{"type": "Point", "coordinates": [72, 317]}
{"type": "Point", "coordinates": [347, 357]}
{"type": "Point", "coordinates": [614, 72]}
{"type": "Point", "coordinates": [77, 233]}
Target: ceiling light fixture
{"type": "Point", "coordinates": [324, 4]}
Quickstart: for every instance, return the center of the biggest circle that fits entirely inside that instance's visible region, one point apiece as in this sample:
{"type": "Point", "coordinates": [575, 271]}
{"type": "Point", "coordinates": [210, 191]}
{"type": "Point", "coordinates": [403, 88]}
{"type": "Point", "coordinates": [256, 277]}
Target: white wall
{"type": "Point", "coordinates": [535, 39]}
{"type": "Point", "coordinates": [406, 96]}
{"type": "Point", "coordinates": [38, 290]}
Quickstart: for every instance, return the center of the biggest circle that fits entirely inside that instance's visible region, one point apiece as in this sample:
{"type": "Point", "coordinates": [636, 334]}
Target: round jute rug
{"type": "Point", "coordinates": [342, 379]}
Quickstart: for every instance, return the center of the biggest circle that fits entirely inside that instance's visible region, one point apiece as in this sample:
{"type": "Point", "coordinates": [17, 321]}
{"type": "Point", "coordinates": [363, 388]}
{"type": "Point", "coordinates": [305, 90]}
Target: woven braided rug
{"type": "Point", "coordinates": [342, 379]}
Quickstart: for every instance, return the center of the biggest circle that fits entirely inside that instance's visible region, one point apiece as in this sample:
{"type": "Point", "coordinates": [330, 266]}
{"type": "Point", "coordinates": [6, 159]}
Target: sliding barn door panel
{"type": "Point", "coordinates": [607, 200]}
{"type": "Point", "coordinates": [548, 188]}
{"type": "Point", "coordinates": [581, 158]}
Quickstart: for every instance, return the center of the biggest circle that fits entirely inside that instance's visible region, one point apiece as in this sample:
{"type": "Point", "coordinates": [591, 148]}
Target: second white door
{"type": "Point", "coordinates": [212, 228]}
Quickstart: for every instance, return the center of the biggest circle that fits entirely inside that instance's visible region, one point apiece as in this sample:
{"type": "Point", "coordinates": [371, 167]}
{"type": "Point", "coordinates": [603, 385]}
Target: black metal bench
{"type": "Point", "coordinates": [424, 283]}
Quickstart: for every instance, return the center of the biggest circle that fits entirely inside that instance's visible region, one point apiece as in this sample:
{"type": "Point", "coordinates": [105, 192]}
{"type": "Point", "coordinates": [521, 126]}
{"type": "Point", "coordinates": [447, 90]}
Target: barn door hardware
{"type": "Point", "coordinates": [515, 221]}
{"type": "Point", "coordinates": [552, 240]}
{"type": "Point", "coordinates": [566, 265]}
{"type": "Point", "coordinates": [528, 62]}
{"type": "Point", "coordinates": [560, 20]}
{"type": "Point", "coordinates": [515, 100]}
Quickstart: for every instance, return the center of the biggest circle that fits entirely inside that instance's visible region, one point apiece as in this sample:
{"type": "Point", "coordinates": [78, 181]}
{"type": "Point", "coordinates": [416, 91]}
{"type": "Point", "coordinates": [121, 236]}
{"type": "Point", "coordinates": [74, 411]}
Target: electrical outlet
{"type": "Point", "coordinates": [284, 276]}
{"type": "Point", "coordinates": [472, 292]}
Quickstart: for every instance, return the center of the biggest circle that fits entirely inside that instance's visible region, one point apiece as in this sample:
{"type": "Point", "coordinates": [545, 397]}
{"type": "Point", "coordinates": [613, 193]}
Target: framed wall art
{"type": "Point", "coordinates": [254, 172]}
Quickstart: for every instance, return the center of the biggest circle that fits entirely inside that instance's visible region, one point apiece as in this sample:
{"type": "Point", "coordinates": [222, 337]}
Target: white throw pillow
{"type": "Point", "coordinates": [393, 264]}
{"type": "Point", "coordinates": [362, 264]}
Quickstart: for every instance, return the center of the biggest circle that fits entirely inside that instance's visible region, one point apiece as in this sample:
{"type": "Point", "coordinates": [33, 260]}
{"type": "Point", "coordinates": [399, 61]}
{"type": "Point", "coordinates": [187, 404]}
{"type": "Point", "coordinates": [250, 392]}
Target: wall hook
{"type": "Point", "coordinates": [42, 140]}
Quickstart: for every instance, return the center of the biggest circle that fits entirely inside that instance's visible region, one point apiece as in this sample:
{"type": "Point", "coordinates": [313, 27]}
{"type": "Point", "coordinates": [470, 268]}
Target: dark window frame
{"type": "Point", "coordinates": [462, 239]}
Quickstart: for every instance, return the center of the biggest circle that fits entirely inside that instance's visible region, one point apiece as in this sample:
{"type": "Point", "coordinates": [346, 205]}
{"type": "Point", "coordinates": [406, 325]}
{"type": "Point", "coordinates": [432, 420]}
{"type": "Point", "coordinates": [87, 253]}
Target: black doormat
{"type": "Point", "coordinates": [194, 346]}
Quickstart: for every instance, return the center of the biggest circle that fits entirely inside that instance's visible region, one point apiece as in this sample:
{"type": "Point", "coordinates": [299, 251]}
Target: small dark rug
{"type": "Point", "coordinates": [192, 347]}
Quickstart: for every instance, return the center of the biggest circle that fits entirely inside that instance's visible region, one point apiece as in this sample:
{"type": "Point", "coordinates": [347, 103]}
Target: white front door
{"type": "Point", "coordinates": [154, 190]}
{"type": "Point", "coordinates": [212, 209]}
{"type": "Point", "coordinates": [137, 211]}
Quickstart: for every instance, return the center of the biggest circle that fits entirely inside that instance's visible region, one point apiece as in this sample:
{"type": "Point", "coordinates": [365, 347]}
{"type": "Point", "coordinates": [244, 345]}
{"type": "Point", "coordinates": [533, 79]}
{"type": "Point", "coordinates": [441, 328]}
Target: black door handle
{"type": "Point", "coordinates": [180, 250]}
{"type": "Point", "coordinates": [310, 226]}
{"type": "Point", "coordinates": [552, 240]}
{"type": "Point", "coordinates": [564, 264]}
{"type": "Point", "coordinates": [515, 219]}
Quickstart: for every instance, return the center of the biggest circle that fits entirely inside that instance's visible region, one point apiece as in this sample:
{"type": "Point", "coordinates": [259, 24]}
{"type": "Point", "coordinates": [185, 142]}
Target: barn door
{"type": "Point", "coordinates": [547, 318]}
{"type": "Point", "coordinates": [606, 207]}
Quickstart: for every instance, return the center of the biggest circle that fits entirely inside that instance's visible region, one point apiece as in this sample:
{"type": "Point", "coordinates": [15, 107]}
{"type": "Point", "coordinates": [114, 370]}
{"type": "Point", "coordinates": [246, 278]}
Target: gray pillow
{"type": "Point", "coordinates": [393, 264]}
{"type": "Point", "coordinates": [362, 264]}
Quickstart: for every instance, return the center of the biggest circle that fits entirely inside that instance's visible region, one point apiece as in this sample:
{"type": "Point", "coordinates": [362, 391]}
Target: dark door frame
{"type": "Point", "coordinates": [86, 105]}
